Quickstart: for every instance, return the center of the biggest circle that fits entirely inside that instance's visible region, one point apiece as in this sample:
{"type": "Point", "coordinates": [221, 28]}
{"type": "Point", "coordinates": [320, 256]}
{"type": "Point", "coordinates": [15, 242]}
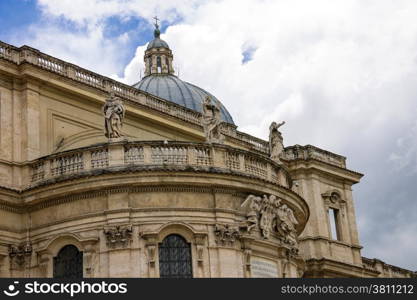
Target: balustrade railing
{"type": "Point", "coordinates": [52, 65]}
{"type": "Point", "coordinates": [175, 154]}
{"type": "Point", "coordinates": [256, 167]}
{"type": "Point", "coordinates": [67, 164]}
{"type": "Point", "coordinates": [134, 154]}
{"type": "Point", "coordinates": [311, 152]}
{"type": "Point", "coordinates": [100, 158]}
{"type": "Point", "coordinates": [203, 156]}
{"type": "Point", "coordinates": [232, 160]}
{"type": "Point", "coordinates": [171, 155]}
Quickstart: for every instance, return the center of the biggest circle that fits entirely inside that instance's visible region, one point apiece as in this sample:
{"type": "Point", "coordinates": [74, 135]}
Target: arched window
{"type": "Point", "coordinates": [68, 263]}
{"type": "Point", "coordinates": [175, 258]}
{"type": "Point", "coordinates": [167, 63]}
{"type": "Point", "coordinates": [159, 64]}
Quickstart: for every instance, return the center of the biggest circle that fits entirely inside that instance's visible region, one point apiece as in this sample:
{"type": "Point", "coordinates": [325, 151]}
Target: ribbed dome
{"type": "Point", "coordinates": [171, 88]}
{"type": "Point", "coordinates": [157, 43]}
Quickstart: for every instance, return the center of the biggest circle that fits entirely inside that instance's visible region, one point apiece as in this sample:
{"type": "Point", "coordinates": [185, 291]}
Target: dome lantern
{"type": "Point", "coordinates": [158, 56]}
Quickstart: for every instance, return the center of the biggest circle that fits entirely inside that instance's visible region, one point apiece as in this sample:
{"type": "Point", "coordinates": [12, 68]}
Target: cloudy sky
{"type": "Point", "coordinates": [342, 74]}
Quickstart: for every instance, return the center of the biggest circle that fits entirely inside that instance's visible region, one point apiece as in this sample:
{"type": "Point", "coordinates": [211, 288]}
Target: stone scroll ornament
{"type": "Point", "coordinates": [271, 217]}
{"type": "Point", "coordinates": [211, 121]}
{"type": "Point", "coordinates": [114, 113]}
{"type": "Point", "coordinates": [276, 145]}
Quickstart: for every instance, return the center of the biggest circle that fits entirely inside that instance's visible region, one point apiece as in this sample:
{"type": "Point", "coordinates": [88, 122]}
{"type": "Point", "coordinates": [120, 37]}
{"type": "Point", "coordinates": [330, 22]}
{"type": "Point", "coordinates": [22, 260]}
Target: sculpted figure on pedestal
{"type": "Point", "coordinates": [276, 145]}
{"type": "Point", "coordinates": [114, 112]}
{"type": "Point", "coordinates": [211, 121]}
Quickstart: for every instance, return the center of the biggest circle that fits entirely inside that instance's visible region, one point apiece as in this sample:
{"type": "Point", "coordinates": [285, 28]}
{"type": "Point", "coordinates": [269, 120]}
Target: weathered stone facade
{"type": "Point", "coordinates": [241, 212]}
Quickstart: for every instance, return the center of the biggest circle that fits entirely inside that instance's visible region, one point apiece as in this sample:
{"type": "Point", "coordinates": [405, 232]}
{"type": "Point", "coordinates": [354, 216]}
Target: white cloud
{"type": "Point", "coordinates": [341, 73]}
{"type": "Point", "coordinates": [405, 157]}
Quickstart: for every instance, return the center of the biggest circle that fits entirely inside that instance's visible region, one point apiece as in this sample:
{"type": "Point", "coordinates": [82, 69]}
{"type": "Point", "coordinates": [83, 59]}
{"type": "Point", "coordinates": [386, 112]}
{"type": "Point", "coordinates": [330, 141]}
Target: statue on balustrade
{"type": "Point", "coordinates": [276, 144]}
{"type": "Point", "coordinates": [114, 113]}
{"type": "Point", "coordinates": [211, 121]}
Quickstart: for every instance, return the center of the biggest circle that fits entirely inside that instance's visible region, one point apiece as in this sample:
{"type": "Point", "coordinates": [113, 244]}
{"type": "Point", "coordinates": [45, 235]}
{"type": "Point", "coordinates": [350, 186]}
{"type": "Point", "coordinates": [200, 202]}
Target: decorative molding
{"type": "Point", "coordinates": [118, 236]}
{"type": "Point", "coordinates": [227, 234]}
{"type": "Point", "coordinates": [333, 199]}
{"type": "Point", "coordinates": [200, 242]}
{"type": "Point", "coordinates": [20, 254]}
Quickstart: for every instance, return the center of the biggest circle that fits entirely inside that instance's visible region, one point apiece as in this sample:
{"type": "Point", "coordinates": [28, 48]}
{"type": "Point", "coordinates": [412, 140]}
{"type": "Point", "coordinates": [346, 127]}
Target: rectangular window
{"type": "Point", "coordinates": [334, 224]}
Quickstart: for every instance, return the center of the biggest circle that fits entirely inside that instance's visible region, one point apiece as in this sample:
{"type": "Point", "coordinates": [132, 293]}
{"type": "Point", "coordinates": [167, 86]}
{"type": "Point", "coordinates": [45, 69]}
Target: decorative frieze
{"type": "Point", "coordinates": [118, 236]}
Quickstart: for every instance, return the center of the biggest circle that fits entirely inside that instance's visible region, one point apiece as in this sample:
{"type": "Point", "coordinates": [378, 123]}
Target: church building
{"type": "Point", "coordinates": [102, 179]}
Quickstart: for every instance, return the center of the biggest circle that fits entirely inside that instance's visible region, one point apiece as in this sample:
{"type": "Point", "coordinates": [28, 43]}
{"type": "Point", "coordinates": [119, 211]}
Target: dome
{"type": "Point", "coordinates": [157, 43]}
{"type": "Point", "coordinates": [173, 89]}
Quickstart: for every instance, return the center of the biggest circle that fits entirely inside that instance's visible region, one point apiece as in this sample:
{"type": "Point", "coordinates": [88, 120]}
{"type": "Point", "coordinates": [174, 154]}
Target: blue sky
{"type": "Point", "coordinates": [342, 74]}
{"type": "Point", "coordinates": [17, 15]}
{"type": "Point", "coordinates": [27, 15]}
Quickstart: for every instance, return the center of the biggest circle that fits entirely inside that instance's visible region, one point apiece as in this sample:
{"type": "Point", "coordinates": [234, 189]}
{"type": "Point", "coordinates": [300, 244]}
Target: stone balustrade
{"type": "Point", "coordinates": [311, 152]}
{"type": "Point", "coordinates": [386, 270]}
{"type": "Point", "coordinates": [185, 155]}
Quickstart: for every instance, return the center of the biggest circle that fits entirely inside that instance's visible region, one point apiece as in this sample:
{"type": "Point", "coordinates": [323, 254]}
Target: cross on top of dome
{"type": "Point", "coordinates": [156, 32]}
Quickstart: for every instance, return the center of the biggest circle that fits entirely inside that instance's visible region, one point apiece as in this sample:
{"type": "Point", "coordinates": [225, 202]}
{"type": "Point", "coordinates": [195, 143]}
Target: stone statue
{"type": "Point", "coordinates": [276, 145]}
{"type": "Point", "coordinates": [254, 204]}
{"type": "Point", "coordinates": [114, 112]}
{"type": "Point", "coordinates": [286, 223]}
{"type": "Point", "coordinates": [211, 122]}
{"type": "Point", "coordinates": [267, 217]}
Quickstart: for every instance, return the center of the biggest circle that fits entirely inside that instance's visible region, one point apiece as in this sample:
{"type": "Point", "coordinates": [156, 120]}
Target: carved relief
{"type": "Point", "coordinates": [200, 240]}
{"type": "Point", "coordinates": [114, 113]}
{"type": "Point", "coordinates": [151, 253]}
{"type": "Point", "coordinates": [333, 199]}
{"type": "Point", "coordinates": [211, 122]}
{"type": "Point", "coordinates": [271, 217]}
{"type": "Point", "coordinates": [276, 145]}
{"type": "Point", "coordinates": [118, 236]}
{"type": "Point", "coordinates": [20, 254]}
{"type": "Point", "coordinates": [226, 234]}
